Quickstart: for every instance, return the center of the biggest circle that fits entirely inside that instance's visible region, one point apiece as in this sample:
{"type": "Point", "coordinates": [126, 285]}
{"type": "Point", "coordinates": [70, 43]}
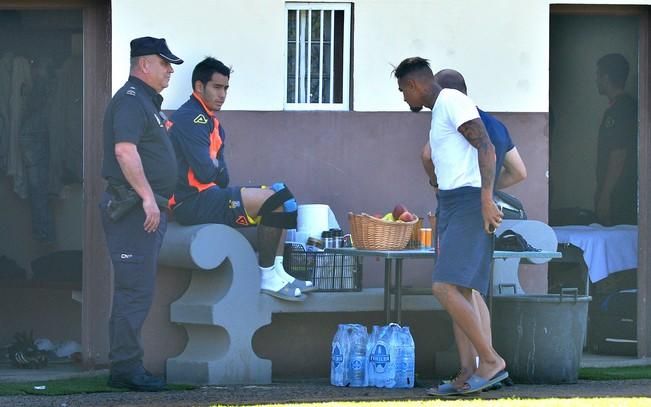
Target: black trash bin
{"type": "Point", "coordinates": [541, 336]}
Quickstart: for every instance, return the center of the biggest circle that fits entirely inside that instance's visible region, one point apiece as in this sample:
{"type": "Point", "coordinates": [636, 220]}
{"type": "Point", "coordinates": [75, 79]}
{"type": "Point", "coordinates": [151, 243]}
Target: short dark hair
{"type": "Point", "coordinates": [616, 67]}
{"type": "Point", "coordinates": [412, 65]}
{"type": "Point", "coordinates": [451, 79]}
{"type": "Point", "coordinates": [205, 69]}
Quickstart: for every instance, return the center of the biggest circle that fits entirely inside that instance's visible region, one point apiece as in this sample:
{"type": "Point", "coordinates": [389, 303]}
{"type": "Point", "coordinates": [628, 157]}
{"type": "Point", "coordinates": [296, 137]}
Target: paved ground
{"type": "Point", "coordinates": [320, 391]}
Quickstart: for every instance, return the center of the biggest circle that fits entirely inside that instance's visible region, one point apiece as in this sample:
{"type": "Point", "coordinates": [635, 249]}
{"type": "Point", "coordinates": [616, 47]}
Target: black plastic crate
{"type": "Point", "coordinates": [328, 271]}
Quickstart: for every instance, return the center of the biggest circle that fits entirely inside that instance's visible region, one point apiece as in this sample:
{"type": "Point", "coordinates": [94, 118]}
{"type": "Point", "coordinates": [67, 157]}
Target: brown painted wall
{"type": "Point", "coordinates": [362, 161]}
{"type": "Point", "coordinates": [353, 162]}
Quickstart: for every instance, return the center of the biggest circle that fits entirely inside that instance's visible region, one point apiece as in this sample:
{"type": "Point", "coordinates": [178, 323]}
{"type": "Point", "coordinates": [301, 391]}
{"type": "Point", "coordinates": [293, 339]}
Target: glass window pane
{"type": "Point", "coordinates": [326, 26]}
{"type": "Point", "coordinates": [303, 25]}
{"type": "Point", "coordinates": [316, 62]}
{"type": "Point", "coordinates": [326, 61]}
{"type": "Point", "coordinates": [291, 88]}
{"type": "Point", "coordinates": [316, 25]}
{"type": "Point", "coordinates": [315, 59]}
{"type": "Point", "coordinates": [291, 59]}
{"type": "Point", "coordinates": [325, 91]}
{"type": "Point", "coordinates": [291, 72]}
{"type": "Point", "coordinates": [291, 25]}
{"type": "Point", "coordinates": [302, 57]}
{"type": "Point", "coordinates": [338, 63]}
{"type": "Point", "coordinates": [314, 90]}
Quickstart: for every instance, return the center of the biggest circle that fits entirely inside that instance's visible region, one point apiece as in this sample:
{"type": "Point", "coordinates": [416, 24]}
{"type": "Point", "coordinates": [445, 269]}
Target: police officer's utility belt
{"type": "Point", "coordinates": [124, 199]}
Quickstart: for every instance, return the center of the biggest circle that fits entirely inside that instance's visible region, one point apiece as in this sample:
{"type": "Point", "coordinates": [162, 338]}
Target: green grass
{"type": "Point", "coordinates": [573, 402]}
{"type": "Point", "coordinates": [615, 373]}
{"type": "Point", "coordinates": [95, 384]}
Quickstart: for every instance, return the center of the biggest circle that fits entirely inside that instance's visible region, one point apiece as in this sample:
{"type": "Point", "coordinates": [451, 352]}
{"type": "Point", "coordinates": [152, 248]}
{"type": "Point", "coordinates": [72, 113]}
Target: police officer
{"type": "Point", "coordinates": [140, 166]}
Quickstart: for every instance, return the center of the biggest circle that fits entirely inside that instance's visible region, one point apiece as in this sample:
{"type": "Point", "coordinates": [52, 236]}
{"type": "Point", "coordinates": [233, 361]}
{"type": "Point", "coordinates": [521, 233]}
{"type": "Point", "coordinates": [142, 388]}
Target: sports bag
{"type": "Point", "coordinates": [510, 206]}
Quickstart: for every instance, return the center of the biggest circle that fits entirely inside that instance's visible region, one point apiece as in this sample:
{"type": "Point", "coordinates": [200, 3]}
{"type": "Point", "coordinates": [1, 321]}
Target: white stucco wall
{"type": "Point", "coordinates": [248, 35]}
{"type": "Point", "coordinates": [501, 46]}
{"type": "Point", "coordinates": [504, 72]}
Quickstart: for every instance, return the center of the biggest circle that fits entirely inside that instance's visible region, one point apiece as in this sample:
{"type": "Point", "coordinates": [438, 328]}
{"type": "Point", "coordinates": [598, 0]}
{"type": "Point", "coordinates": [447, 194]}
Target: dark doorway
{"type": "Point", "coordinates": [598, 117]}
{"type": "Point", "coordinates": [54, 85]}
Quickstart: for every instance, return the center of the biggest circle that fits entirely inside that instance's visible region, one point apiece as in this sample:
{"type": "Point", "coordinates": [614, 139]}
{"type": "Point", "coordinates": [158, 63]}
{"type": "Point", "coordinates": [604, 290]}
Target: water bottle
{"type": "Point", "coordinates": [411, 367]}
{"type": "Point", "coordinates": [405, 359]}
{"type": "Point", "coordinates": [357, 356]}
{"type": "Point", "coordinates": [370, 346]}
{"type": "Point", "coordinates": [338, 358]}
{"type": "Point", "coordinates": [392, 337]}
{"type": "Point", "coordinates": [380, 358]}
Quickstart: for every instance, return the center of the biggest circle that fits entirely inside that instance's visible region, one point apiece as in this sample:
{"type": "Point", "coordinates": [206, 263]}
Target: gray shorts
{"type": "Point", "coordinates": [464, 248]}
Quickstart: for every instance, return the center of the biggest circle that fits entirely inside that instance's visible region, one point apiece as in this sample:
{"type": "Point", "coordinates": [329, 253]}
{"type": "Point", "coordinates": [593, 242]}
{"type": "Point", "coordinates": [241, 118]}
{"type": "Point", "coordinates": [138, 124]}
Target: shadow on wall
{"type": "Point", "coordinates": [311, 338]}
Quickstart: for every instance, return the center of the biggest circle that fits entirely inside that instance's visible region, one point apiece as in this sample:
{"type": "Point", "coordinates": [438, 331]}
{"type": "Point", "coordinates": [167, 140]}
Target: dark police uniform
{"type": "Point", "coordinates": [618, 131]}
{"type": "Point", "coordinates": [134, 115]}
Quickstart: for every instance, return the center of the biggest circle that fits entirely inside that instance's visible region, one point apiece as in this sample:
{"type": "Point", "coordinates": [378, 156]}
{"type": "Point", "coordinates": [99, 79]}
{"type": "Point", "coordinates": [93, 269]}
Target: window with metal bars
{"type": "Point", "coordinates": [318, 56]}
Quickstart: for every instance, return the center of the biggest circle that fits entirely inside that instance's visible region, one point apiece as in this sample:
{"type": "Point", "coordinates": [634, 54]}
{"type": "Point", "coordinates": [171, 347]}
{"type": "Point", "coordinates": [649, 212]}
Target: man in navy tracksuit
{"type": "Point", "coordinates": [139, 165]}
{"type": "Point", "coordinates": [203, 194]}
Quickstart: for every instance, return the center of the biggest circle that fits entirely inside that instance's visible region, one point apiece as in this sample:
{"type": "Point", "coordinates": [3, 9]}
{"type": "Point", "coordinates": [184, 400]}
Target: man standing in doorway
{"type": "Point", "coordinates": [140, 167]}
{"type": "Point", "coordinates": [616, 195]}
{"type": "Point", "coordinates": [464, 159]}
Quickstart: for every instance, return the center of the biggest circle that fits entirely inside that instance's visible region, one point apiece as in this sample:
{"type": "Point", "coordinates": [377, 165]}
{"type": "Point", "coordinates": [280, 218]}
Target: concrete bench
{"type": "Point", "coordinates": [222, 307]}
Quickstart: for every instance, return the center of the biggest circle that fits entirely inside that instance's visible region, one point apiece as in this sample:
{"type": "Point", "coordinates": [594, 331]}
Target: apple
{"type": "Point", "coordinates": [407, 216]}
{"type": "Point", "coordinates": [377, 215]}
{"type": "Point", "coordinates": [398, 210]}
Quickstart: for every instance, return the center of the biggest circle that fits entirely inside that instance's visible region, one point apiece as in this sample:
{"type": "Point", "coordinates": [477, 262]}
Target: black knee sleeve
{"type": "Point", "coordinates": [283, 220]}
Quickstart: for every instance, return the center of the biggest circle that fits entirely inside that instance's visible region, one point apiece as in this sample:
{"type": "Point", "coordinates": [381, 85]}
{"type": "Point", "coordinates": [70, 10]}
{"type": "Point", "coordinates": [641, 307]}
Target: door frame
{"type": "Point", "coordinates": [96, 270]}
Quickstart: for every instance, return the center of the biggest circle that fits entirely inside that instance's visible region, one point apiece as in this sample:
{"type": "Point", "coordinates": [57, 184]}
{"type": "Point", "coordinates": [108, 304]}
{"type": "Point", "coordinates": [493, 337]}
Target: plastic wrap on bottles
{"type": "Point", "coordinates": [382, 359]}
{"type": "Point", "coordinates": [338, 359]}
{"type": "Point", "coordinates": [406, 357]}
{"type": "Point", "coordinates": [370, 346]}
{"type": "Point", "coordinates": [357, 340]}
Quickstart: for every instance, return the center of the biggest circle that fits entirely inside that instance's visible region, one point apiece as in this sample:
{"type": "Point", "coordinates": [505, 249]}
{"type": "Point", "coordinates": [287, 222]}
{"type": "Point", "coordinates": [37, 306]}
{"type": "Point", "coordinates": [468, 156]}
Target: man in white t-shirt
{"type": "Point", "coordinates": [464, 160]}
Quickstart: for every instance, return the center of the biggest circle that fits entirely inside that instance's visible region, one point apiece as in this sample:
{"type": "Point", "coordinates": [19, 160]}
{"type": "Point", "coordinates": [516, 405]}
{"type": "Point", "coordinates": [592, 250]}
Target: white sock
{"type": "Point", "coordinates": [280, 270]}
{"type": "Point", "coordinates": [270, 279]}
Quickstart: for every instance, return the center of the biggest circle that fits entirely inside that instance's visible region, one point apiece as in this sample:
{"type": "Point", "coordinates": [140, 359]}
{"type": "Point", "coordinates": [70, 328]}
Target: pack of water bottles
{"type": "Point", "coordinates": [385, 358]}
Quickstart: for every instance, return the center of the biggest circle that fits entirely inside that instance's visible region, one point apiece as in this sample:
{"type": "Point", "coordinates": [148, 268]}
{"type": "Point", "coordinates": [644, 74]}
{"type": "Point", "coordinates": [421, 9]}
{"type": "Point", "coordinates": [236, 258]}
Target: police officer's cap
{"type": "Point", "coordinates": [153, 46]}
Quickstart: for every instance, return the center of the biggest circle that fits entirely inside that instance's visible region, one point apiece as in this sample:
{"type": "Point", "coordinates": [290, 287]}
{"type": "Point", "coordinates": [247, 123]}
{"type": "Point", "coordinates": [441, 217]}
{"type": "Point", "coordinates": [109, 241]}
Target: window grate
{"type": "Point", "coordinates": [318, 55]}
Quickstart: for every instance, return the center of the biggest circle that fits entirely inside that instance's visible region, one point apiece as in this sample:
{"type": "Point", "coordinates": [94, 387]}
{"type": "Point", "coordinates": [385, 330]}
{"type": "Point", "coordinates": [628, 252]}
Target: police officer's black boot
{"type": "Point", "coordinates": [140, 380]}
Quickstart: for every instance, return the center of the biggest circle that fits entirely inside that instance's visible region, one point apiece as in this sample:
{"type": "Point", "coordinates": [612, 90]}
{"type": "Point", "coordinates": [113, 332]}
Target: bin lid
{"type": "Point", "coordinates": [552, 298]}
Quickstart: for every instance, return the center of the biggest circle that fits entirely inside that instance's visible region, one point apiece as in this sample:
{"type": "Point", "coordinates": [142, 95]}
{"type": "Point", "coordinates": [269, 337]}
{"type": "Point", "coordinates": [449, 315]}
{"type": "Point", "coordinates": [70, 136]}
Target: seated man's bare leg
{"type": "Point", "coordinates": [270, 242]}
{"type": "Point", "coordinates": [458, 302]}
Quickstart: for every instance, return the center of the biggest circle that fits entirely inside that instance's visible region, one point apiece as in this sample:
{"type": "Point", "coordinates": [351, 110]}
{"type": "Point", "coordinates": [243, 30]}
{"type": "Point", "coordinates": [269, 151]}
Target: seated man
{"type": "Point", "coordinates": [202, 194]}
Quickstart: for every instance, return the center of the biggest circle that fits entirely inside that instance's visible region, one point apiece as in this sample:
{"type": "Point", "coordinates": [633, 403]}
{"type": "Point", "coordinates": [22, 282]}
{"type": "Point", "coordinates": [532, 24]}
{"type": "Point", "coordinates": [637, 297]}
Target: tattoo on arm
{"type": "Point", "coordinates": [475, 132]}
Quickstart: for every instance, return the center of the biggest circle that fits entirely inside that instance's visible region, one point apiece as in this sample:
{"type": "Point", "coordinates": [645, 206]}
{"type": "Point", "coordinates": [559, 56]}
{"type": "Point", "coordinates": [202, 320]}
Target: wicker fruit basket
{"type": "Point", "coordinates": [372, 233]}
